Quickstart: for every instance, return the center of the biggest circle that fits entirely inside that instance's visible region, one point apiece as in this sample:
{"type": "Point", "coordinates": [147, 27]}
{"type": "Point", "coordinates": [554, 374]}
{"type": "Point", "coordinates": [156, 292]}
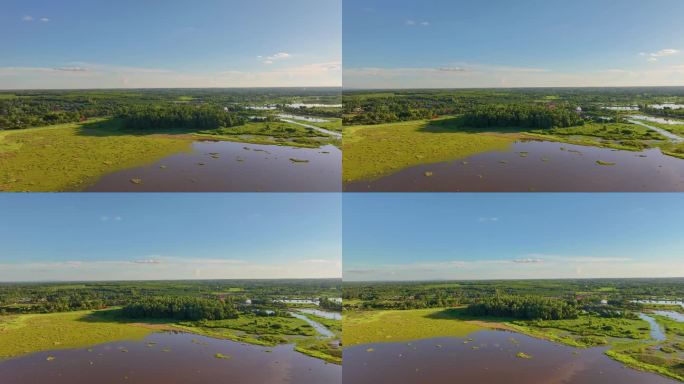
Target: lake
{"type": "Point", "coordinates": [540, 166]}
{"type": "Point", "coordinates": [490, 358]}
{"type": "Point", "coordinates": [170, 358]}
{"type": "Point", "coordinates": [224, 166]}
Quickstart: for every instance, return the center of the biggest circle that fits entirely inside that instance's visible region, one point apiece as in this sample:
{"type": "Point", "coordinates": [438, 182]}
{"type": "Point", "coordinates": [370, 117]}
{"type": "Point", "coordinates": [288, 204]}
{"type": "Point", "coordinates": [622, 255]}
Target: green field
{"type": "Point", "coordinates": [392, 326]}
{"type": "Point", "coordinates": [23, 334]}
{"type": "Point", "coordinates": [373, 151]}
{"type": "Point", "coordinates": [68, 157]}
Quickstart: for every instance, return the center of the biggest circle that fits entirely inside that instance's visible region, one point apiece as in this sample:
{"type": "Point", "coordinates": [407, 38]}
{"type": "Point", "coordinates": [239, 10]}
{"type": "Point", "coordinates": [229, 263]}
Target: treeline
{"type": "Point", "coordinates": [180, 308]}
{"type": "Point", "coordinates": [178, 117]}
{"type": "Point", "coordinates": [521, 116]}
{"type": "Point", "coordinates": [329, 304]}
{"type": "Point", "coordinates": [524, 307]}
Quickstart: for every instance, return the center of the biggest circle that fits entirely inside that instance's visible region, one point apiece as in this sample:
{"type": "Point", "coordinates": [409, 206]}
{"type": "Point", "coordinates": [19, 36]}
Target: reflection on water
{"type": "Point", "coordinates": [320, 328]}
{"type": "Point", "coordinates": [222, 166]}
{"type": "Point", "coordinates": [540, 166]}
{"type": "Point", "coordinates": [323, 314]}
{"type": "Point", "coordinates": [671, 314]}
{"type": "Point", "coordinates": [170, 358]}
{"type": "Point", "coordinates": [660, 120]}
{"type": "Point", "coordinates": [656, 331]}
{"type": "Point", "coordinates": [489, 358]}
{"type": "Point", "coordinates": [667, 105]}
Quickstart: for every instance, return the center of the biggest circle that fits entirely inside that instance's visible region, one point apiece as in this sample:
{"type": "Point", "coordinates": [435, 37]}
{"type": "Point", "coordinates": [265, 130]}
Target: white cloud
{"type": "Point", "coordinates": [528, 260]}
{"type": "Point", "coordinates": [88, 75]}
{"type": "Point", "coordinates": [532, 266]}
{"type": "Point", "coordinates": [412, 23]}
{"type": "Point", "coordinates": [665, 52]}
{"type": "Point", "coordinates": [44, 19]}
{"type": "Point", "coordinates": [165, 268]}
{"type": "Point", "coordinates": [487, 219]}
{"type": "Point", "coordinates": [275, 57]}
{"type": "Point", "coordinates": [488, 76]}
{"type": "Point", "coordinates": [27, 18]}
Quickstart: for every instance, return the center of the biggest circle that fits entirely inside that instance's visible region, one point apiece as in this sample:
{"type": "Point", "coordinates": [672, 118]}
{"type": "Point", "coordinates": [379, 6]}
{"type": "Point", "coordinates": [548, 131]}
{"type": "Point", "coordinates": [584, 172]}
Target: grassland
{"type": "Point", "coordinates": [25, 334]}
{"type": "Point", "coordinates": [402, 325]}
{"type": "Point", "coordinates": [68, 157]}
{"type": "Point", "coordinates": [369, 152]}
{"type": "Point", "coordinates": [274, 133]}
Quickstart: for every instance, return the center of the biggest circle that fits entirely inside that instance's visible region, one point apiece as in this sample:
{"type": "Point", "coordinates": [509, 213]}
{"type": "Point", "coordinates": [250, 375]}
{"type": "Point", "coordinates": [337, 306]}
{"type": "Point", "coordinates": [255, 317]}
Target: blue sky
{"type": "Point", "coordinates": [502, 43]}
{"type": "Point", "coordinates": [171, 43]}
{"type": "Point", "coordinates": [169, 236]}
{"type": "Point", "coordinates": [507, 236]}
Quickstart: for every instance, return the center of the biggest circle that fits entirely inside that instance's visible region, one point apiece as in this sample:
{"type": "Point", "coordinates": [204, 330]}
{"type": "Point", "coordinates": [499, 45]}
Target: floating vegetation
{"type": "Point", "coordinates": [136, 181]}
{"type": "Point", "coordinates": [50, 358]}
{"type": "Point", "coordinates": [464, 162]}
{"type": "Point", "coordinates": [428, 173]}
{"type": "Point", "coordinates": [162, 166]}
{"type": "Point", "coordinates": [166, 350]}
{"type": "Point", "coordinates": [545, 159]}
{"type": "Point", "coordinates": [523, 154]}
{"type": "Point", "coordinates": [503, 161]}
{"type": "Point", "coordinates": [221, 356]}
{"type": "Point", "coordinates": [296, 160]}
{"type": "Point", "coordinates": [200, 163]}
{"type": "Point", "coordinates": [606, 163]}
{"type": "Point", "coordinates": [523, 355]}
{"type": "Point", "coordinates": [370, 350]}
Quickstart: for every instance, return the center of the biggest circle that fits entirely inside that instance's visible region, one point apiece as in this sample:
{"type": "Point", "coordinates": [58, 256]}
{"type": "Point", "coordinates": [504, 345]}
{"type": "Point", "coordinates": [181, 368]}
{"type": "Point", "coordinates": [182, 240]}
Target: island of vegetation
{"type": "Point", "coordinates": [639, 320]}
{"type": "Point", "coordinates": [43, 317]}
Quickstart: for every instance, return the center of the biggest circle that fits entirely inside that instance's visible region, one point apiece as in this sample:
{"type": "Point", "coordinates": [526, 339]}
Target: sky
{"type": "Point", "coordinates": [503, 43]}
{"type": "Point", "coordinates": [148, 236]}
{"type": "Point", "coordinates": [406, 236]}
{"type": "Point", "coordinates": [65, 44]}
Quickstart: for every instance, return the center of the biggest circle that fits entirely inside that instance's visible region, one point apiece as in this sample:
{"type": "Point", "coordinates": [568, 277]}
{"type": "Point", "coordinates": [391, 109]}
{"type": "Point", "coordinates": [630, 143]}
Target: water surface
{"type": "Point", "coordinates": [489, 358]}
{"type": "Point", "coordinates": [540, 166]}
{"type": "Point", "coordinates": [656, 331]}
{"type": "Point", "coordinates": [224, 166]}
{"type": "Point", "coordinates": [324, 314]}
{"type": "Point", "coordinates": [170, 358]}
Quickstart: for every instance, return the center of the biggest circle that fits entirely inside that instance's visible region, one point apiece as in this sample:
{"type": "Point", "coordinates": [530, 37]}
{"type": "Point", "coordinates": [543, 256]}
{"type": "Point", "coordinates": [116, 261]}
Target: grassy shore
{"type": "Point", "coordinates": [68, 157]}
{"type": "Point", "coordinates": [628, 339]}
{"type": "Point", "coordinates": [23, 334]}
{"type": "Point", "coordinates": [373, 151]}
{"type": "Point", "coordinates": [392, 326]}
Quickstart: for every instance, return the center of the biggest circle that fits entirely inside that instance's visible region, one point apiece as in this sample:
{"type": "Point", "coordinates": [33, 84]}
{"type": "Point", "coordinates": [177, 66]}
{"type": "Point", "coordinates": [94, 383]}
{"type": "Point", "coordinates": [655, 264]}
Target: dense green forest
{"type": "Point", "coordinates": [24, 109]}
{"type": "Point", "coordinates": [588, 293]}
{"type": "Point", "coordinates": [560, 104]}
{"type": "Point", "coordinates": [524, 307]}
{"type": "Point", "coordinates": [180, 308]}
{"type": "Point", "coordinates": [178, 117]}
{"type": "Point", "coordinates": [61, 297]}
{"type": "Point", "coordinates": [521, 116]}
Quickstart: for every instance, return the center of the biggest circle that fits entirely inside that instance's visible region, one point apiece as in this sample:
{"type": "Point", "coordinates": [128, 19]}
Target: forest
{"type": "Point", "coordinates": [178, 117]}
{"type": "Point", "coordinates": [25, 109]}
{"type": "Point", "coordinates": [180, 308]}
{"type": "Point", "coordinates": [524, 307]}
{"type": "Point", "coordinates": [17, 298]}
{"type": "Point", "coordinates": [560, 104]}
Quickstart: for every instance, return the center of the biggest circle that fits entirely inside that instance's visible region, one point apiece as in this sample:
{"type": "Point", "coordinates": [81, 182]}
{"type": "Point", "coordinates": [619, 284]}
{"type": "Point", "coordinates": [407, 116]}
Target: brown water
{"type": "Point", "coordinates": [175, 358]}
{"type": "Point", "coordinates": [223, 166]}
{"type": "Point", "coordinates": [540, 166]}
{"type": "Point", "coordinates": [449, 361]}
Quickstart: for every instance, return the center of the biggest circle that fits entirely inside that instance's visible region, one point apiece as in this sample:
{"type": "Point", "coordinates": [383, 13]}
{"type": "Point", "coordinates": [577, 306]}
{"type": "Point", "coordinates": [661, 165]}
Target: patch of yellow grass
{"type": "Point", "coordinates": [23, 334]}
{"type": "Point", "coordinates": [373, 151]}
{"type": "Point", "coordinates": [393, 326]}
